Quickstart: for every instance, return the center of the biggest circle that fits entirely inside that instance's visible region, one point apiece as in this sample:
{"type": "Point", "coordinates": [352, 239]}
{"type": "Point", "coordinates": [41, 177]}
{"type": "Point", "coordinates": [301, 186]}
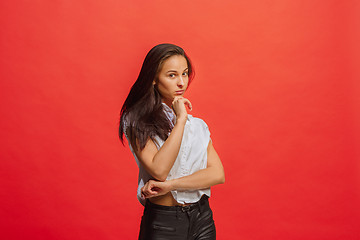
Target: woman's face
{"type": "Point", "coordinates": [172, 80]}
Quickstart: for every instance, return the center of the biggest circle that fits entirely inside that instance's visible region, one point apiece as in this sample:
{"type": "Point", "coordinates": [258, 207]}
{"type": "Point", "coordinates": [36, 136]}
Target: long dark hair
{"type": "Point", "coordinates": [143, 108]}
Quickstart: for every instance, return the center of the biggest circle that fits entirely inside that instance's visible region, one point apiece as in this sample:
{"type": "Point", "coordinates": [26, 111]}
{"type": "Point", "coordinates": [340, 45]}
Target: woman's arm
{"type": "Point", "coordinates": [159, 162]}
{"type": "Point", "coordinates": [212, 175]}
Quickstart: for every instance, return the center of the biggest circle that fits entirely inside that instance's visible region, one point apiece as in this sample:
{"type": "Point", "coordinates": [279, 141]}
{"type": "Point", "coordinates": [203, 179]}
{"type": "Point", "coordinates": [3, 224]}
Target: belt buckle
{"type": "Point", "coordinates": [185, 208]}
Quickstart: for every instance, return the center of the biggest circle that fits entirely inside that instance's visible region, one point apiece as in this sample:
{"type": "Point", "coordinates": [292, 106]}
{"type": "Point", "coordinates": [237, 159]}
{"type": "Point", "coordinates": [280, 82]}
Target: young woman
{"type": "Point", "coordinates": [173, 150]}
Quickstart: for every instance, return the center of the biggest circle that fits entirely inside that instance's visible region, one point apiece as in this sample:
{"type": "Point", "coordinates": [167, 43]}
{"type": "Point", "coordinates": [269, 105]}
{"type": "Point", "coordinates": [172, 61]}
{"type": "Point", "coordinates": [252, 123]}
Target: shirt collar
{"type": "Point", "coordinates": [169, 113]}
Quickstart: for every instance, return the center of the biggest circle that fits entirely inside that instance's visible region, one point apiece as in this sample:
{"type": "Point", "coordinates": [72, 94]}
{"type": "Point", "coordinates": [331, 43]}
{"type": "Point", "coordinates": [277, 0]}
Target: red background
{"type": "Point", "coordinates": [276, 81]}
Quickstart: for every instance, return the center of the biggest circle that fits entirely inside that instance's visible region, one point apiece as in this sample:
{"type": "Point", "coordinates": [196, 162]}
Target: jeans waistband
{"type": "Point", "coordinates": [197, 205]}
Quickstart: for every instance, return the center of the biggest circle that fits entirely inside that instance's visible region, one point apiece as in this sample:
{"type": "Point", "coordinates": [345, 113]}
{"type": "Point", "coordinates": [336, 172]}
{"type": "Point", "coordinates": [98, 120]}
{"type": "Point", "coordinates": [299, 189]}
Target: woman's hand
{"type": "Point", "coordinates": [178, 105]}
{"type": "Point", "coordinates": [155, 188]}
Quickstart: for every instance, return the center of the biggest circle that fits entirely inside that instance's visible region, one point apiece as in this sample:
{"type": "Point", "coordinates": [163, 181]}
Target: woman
{"type": "Point", "coordinates": [177, 161]}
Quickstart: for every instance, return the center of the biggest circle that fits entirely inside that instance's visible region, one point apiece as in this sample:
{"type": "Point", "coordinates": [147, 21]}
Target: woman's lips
{"type": "Point", "coordinates": [180, 92]}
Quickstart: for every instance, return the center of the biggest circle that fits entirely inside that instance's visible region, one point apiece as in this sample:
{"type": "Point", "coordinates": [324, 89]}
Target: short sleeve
{"type": "Point", "coordinates": [206, 127]}
{"type": "Point", "coordinates": [205, 131]}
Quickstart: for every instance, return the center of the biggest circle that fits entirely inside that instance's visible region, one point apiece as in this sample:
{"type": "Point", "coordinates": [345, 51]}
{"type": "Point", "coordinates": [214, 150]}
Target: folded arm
{"type": "Point", "coordinates": [159, 162]}
{"type": "Point", "coordinates": [212, 175]}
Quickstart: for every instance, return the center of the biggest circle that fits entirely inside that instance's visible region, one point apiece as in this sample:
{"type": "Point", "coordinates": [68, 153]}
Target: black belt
{"type": "Point", "coordinates": [184, 208]}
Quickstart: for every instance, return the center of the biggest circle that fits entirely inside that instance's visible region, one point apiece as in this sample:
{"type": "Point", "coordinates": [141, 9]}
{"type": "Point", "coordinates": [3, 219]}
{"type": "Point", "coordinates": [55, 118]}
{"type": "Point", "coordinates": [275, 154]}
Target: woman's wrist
{"type": "Point", "coordinates": [171, 184]}
{"type": "Point", "coordinates": [181, 120]}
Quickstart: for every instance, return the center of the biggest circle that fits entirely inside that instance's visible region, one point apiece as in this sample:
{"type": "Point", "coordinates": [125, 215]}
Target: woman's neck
{"type": "Point", "coordinates": [169, 104]}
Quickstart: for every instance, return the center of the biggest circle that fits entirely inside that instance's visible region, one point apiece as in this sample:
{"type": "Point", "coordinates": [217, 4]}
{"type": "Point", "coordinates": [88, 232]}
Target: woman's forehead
{"type": "Point", "coordinates": [176, 62]}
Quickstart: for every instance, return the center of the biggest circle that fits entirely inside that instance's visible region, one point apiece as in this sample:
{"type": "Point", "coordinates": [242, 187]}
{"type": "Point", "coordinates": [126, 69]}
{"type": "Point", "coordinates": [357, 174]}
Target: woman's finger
{"type": "Point", "coordinates": [187, 103]}
{"type": "Point", "coordinates": [176, 99]}
{"type": "Point", "coordinates": [148, 188]}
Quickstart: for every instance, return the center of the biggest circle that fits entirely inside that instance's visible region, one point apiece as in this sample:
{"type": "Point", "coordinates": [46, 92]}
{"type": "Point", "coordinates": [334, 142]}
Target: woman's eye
{"type": "Point", "coordinates": [185, 73]}
{"type": "Point", "coordinates": [172, 75]}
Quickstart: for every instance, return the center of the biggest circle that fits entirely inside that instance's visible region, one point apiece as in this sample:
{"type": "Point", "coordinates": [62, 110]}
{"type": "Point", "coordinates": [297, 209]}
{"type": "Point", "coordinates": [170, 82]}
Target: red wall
{"type": "Point", "coordinates": [276, 81]}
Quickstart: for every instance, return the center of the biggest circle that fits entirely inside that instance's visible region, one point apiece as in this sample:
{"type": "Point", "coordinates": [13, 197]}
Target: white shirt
{"type": "Point", "coordinates": [191, 158]}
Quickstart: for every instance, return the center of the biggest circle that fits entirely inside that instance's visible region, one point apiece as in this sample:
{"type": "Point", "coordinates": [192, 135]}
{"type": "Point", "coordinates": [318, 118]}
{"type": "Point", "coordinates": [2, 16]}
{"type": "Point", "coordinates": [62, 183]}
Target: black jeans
{"type": "Point", "coordinates": [193, 222]}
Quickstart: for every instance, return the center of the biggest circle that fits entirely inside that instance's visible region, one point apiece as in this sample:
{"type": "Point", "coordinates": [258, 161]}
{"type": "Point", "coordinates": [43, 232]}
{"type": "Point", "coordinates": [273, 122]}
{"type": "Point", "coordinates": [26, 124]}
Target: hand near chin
{"type": "Point", "coordinates": [155, 188]}
{"type": "Point", "coordinates": [178, 105]}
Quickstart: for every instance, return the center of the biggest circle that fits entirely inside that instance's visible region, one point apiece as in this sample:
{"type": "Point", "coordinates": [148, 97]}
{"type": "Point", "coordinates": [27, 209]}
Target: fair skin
{"type": "Point", "coordinates": [172, 81]}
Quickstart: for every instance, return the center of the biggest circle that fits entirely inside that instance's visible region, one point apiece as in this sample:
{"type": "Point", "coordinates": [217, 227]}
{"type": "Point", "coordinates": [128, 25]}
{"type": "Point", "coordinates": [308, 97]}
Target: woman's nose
{"type": "Point", "coordinates": [181, 81]}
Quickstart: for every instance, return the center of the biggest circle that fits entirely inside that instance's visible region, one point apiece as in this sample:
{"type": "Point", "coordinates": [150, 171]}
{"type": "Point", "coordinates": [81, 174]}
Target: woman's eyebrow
{"type": "Point", "coordinates": [176, 71]}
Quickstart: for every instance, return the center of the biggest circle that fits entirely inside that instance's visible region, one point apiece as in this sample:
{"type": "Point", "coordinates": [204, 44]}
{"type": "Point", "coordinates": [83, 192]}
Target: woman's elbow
{"type": "Point", "coordinates": [160, 175]}
{"type": "Point", "coordinates": [218, 174]}
{"type": "Point", "coordinates": [222, 178]}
